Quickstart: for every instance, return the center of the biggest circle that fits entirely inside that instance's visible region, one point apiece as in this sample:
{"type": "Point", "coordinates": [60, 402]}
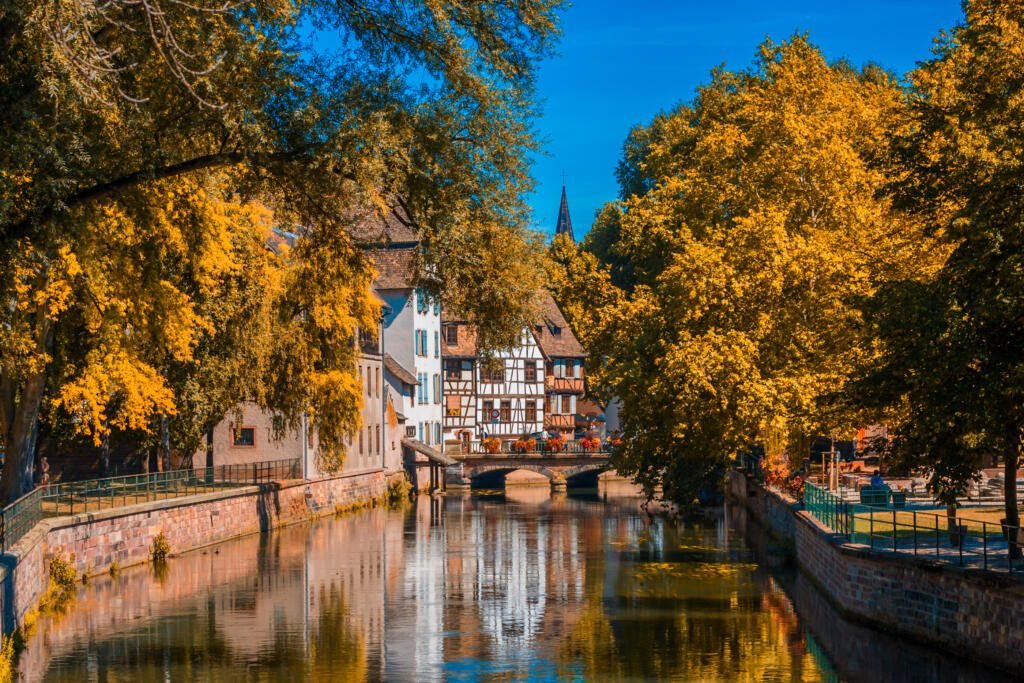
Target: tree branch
{"type": "Point", "coordinates": [111, 187]}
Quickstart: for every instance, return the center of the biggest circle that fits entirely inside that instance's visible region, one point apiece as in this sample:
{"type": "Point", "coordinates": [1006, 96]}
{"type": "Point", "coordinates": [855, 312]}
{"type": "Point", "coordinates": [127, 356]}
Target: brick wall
{"type": "Point", "coordinates": [968, 613]}
{"type": "Point", "coordinates": [773, 510]}
{"type": "Point", "coordinates": [125, 535]}
{"type": "Point", "coordinates": [964, 612]}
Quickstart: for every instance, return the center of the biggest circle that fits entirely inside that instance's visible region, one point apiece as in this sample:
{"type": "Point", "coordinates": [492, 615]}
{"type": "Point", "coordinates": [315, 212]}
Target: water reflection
{"type": "Point", "coordinates": [477, 588]}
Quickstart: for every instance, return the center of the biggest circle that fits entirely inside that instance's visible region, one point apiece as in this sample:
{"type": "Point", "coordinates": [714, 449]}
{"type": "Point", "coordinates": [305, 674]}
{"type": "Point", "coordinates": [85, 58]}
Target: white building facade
{"type": "Point", "coordinates": [412, 338]}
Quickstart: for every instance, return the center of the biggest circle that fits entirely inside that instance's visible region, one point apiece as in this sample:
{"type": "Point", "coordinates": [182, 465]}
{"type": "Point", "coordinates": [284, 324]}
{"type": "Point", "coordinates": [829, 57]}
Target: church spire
{"type": "Point", "coordinates": [564, 226]}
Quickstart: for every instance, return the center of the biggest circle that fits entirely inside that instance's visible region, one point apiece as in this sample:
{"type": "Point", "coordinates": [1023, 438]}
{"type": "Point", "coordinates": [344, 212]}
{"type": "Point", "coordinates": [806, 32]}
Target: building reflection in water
{"type": "Point", "coordinates": [516, 587]}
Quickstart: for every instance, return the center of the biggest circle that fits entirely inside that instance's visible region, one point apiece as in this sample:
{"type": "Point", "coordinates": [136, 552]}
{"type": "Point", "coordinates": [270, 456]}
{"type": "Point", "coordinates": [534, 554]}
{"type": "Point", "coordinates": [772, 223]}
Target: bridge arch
{"type": "Point", "coordinates": [585, 475]}
{"type": "Point", "coordinates": [484, 473]}
{"type": "Point", "coordinates": [492, 475]}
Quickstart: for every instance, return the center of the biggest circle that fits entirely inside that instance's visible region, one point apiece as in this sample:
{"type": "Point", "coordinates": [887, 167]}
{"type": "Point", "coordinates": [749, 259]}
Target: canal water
{"type": "Point", "coordinates": [517, 587]}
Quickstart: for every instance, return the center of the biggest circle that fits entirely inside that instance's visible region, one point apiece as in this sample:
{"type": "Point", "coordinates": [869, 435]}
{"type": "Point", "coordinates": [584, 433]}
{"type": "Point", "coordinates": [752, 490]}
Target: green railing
{"type": "Point", "coordinates": [828, 508]}
{"type": "Point", "coordinates": [967, 542]}
{"type": "Point", "coordinates": [72, 498]}
{"type": "Point", "coordinates": [979, 544]}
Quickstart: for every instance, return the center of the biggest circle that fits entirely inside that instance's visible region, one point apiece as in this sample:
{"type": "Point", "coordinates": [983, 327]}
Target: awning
{"type": "Point", "coordinates": [432, 454]}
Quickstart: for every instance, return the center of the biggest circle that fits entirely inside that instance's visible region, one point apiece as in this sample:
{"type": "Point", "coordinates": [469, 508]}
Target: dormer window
{"type": "Point", "coordinates": [451, 335]}
{"type": "Point", "coordinates": [554, 329]}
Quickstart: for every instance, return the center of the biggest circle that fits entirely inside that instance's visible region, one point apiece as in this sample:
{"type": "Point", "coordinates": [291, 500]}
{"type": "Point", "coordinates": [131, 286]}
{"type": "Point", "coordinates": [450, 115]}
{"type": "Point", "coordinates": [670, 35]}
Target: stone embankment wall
{"type": "Point", "coordinates": [776, 512]}
{"type": "Point", "coordinates": [966, 612]}
{"type": "Point", "coordinates": [125, 535]}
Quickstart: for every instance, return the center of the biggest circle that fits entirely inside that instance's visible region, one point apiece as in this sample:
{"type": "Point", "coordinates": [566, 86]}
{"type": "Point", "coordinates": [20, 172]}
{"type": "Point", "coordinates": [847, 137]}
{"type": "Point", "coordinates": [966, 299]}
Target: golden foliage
{"type": "Point", "coordinates": [759, 221]}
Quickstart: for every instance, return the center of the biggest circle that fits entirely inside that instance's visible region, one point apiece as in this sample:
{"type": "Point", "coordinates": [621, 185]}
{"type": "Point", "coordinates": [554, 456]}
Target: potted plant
{"type": "Point", "coordinates": [555, 444]}
{"type": "Point", "coordinates": [492, 445]}
{"type": "Point", "coordinates": [899, 497]}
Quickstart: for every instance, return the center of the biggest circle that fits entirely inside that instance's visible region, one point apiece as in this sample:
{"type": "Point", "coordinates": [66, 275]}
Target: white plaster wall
{"type": "Point", "coordinates": [432, 412]}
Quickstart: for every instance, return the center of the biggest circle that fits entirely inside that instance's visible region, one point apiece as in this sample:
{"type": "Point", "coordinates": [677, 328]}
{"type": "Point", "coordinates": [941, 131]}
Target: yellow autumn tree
{"type": "Point", "coordinates": [182, 303]}
{"type": "Point", "coordinates": [108, 109]}
{"type": "Point", "coordinates": [757, 225]}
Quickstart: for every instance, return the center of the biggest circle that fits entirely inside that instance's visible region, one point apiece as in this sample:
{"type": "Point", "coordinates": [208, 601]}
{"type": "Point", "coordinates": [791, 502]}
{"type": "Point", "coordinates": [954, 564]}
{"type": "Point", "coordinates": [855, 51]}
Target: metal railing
{"type": "Point", "coordinates": [508, 448]}
{"type": "Point", "coordinates": [965, 542]}
{"type": "Point", "coordinates": [71, 498]}
{"type": "Point", "coordinates": [961, 541]}
{"type": "Point", "coordinates": [828, 508]}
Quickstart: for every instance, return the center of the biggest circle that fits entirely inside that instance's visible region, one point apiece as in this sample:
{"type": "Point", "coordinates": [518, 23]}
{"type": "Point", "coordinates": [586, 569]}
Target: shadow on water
{"type": "Point", "coordinates": [850, 651]}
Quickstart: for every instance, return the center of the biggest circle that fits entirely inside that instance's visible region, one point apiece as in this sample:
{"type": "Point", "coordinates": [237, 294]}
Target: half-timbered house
{"type": "Point", "coordinates": [564, 383]}
{"type": "Point", "coordinates": [500, 396]}
{"type": "Point", "coordinates": [460, 382]}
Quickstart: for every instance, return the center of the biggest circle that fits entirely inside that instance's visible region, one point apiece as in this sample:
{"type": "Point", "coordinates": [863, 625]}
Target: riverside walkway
{"type": "Point", "coordinates": [919, 531]}
{"type": "Point", "coordinates": [92, 495]}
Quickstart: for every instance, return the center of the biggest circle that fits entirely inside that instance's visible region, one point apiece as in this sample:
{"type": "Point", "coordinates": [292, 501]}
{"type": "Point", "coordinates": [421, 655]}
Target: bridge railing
{"type": "Point", "coordinates": [508, 449]}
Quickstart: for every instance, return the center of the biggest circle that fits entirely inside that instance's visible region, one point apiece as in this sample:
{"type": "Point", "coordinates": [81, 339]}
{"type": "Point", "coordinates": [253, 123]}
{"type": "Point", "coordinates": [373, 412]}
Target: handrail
{"type": "Point", "coordinates": [507, 448]}
{"type": "Point", "coordinates": [69, 498]}
{"type": "Point", "coordinates": [979, 544]}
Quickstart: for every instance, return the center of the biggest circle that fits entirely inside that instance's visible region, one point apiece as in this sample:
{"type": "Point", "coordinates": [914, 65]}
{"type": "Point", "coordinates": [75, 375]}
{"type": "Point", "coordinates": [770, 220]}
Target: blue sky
{"type": "Point", "coordinates": [621, 62]}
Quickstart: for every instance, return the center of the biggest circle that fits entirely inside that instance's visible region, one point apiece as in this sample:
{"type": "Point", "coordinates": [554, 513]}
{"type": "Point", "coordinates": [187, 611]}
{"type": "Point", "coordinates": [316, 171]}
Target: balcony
{"type": "Point", "coordinates": [563, 385]}
{"type": "Point", "coordinates": [559, 422]}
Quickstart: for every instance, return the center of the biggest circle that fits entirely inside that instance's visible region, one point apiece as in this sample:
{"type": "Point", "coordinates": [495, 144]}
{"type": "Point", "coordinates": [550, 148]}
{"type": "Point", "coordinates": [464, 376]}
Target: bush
{"type": "Point", "coordinates": [161, 548]}
{"type": "Point", "coordinates": [63, 574]}
{"type": "Point", "coordinates": [61, 591]}
{"type": "Point", "coordinates": [398, 491]}
{"type": "Point", "coordinates": [7, 659]}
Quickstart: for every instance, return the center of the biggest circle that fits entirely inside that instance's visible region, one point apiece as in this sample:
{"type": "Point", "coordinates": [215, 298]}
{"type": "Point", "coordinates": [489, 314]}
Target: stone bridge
{"type": "Point", "coordinates": [559, 469]}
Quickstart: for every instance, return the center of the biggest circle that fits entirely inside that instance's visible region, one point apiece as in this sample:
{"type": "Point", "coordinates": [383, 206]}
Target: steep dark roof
{"type": "Point", "coordinates": [564, 344]}
{"type": "Point", "coordinates": [279, 241]}
{"type": "Point", "coordinates": [396, 268]}
{"type": "Point", "coordinates": [564, 226]}
{"type": "Point", "coordinates": [396, 369]}
{"type": "Point", "coordinates": [371, 227]}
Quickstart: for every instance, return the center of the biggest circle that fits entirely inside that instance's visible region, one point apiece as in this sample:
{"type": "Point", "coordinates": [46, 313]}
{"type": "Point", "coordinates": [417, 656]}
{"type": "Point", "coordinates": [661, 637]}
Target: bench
{"type": "Point", "coordinates": [875, 496]}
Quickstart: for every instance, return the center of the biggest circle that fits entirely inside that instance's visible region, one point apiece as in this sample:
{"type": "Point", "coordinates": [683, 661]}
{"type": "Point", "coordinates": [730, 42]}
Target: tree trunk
{"type": "Point", "coordinates": [20, 440]}
{"type": "Point", "coordinates": [19, 411]}
{"type": "Point", "coordinates": [164, 462]}
{"type": "Point", "coordinates": [1010, 460]}
{"type": "Point", "coordinates": [105, 455]}
{"type": "Point", "coordinates": [209, 455]}
{"type": "Point", "coordinates": [209, 447]}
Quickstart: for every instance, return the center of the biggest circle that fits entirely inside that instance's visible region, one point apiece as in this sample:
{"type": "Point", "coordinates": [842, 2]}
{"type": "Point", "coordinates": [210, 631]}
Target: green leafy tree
{"type": "Point", "coordinates": [109, 109]}
{"type": "Point", "coordinates": [961, 166]}
{"type": "Point", "coordinates": [759, 222]}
